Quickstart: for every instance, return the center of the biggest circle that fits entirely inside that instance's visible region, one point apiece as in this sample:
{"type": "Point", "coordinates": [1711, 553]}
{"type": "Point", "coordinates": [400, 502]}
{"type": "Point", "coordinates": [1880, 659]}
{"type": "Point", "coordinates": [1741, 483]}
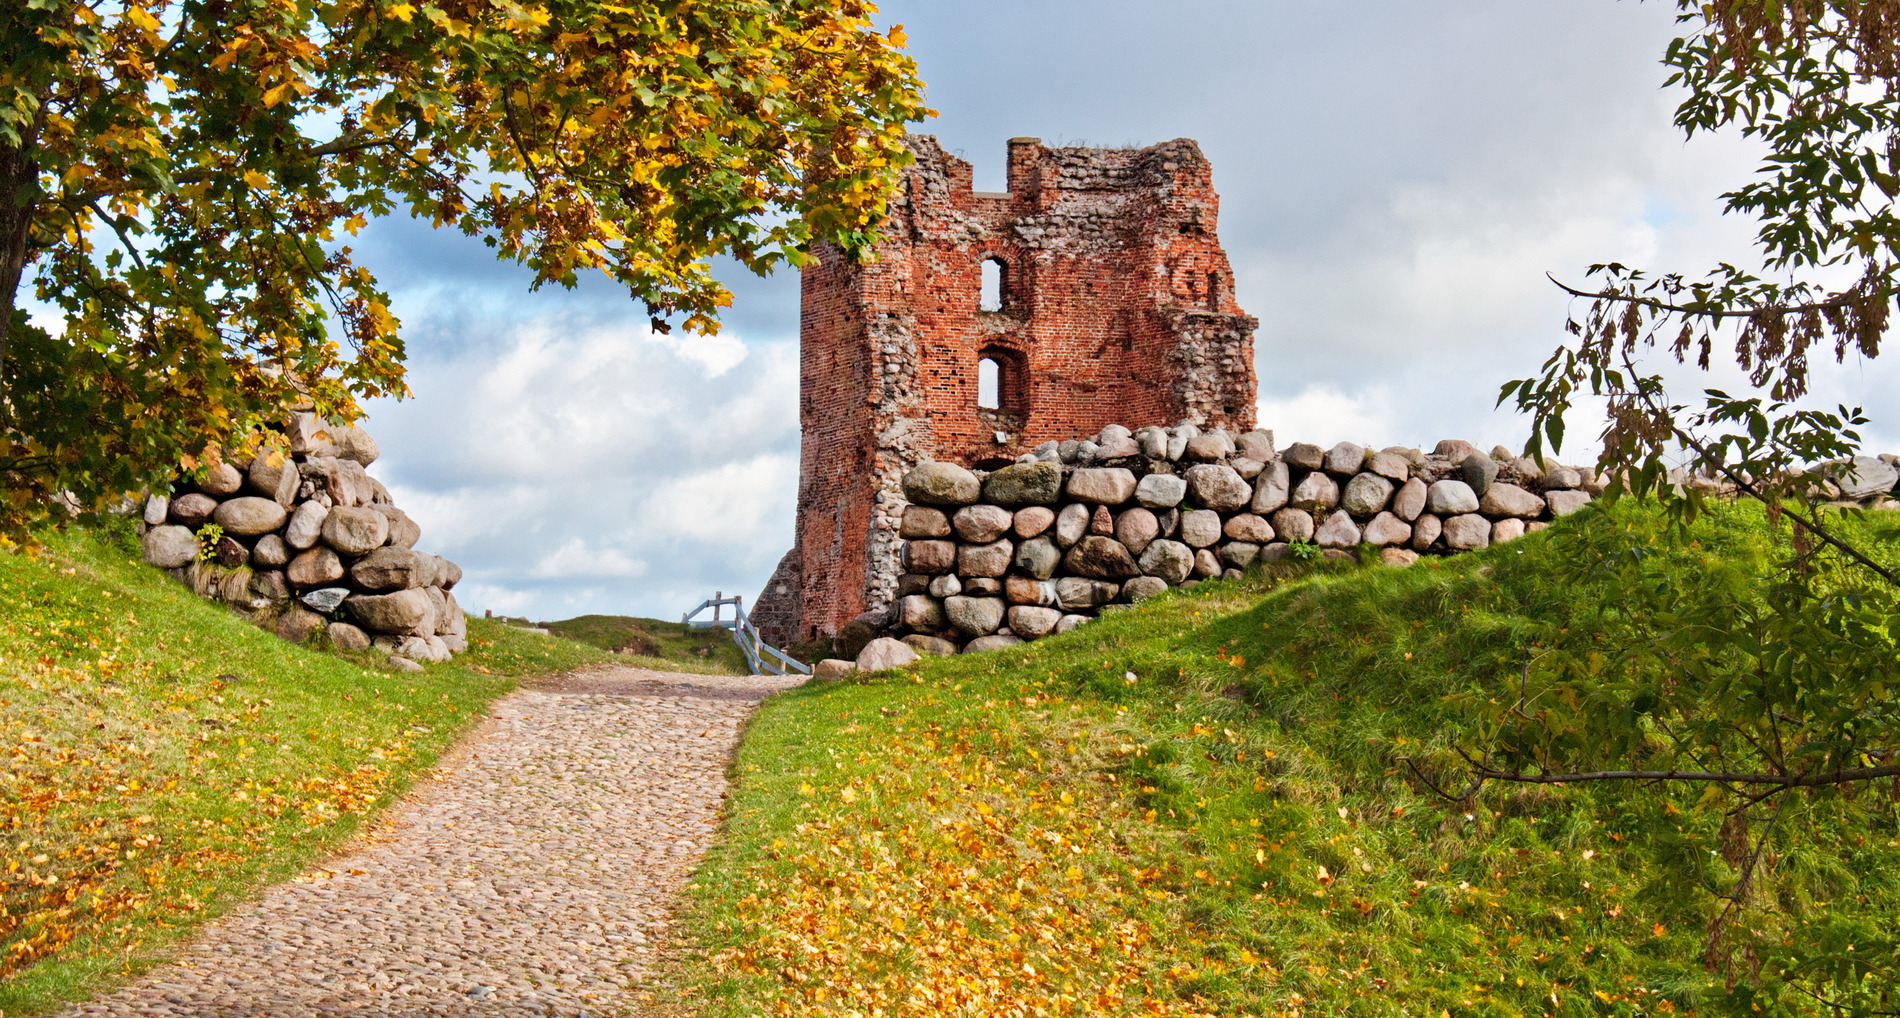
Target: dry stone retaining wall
{"type": "Point", "coordinates": [312, 546]}
{"type": "Point", "coordinates": [991, 559]}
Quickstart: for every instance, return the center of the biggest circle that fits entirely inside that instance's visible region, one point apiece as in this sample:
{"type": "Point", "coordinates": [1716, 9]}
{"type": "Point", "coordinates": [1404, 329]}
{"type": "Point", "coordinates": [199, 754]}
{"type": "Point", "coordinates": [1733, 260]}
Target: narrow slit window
{"type": "Point", "coordinates": [1213, 291]}
{"type": "Point", "coordinates": [995, 284]}
{"type": "Point", "coordinates": [989, 384]}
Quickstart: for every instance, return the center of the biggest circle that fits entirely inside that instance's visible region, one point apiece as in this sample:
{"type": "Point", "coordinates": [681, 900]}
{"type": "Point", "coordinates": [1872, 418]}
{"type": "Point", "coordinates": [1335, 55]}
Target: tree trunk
{"type": "Point", "coordinates": [19, 184]}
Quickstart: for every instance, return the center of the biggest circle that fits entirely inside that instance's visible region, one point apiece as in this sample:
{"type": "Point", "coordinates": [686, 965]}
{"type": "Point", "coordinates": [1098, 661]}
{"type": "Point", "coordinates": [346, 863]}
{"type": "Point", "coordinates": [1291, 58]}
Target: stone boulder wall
{"type": "Point", "coordinates": [309, 545]}
{"type": "Point", "coordinates": [991, 559]}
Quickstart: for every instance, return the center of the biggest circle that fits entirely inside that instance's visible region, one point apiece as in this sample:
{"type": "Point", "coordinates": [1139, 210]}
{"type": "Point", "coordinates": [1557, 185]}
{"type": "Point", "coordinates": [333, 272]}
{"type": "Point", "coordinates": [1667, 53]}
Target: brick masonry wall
{"type": "Point", "coordinates": [1118, 305]}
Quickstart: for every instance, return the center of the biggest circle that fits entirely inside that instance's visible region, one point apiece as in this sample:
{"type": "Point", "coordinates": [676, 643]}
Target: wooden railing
{"type": "Point", "coordinates": [764, 658]}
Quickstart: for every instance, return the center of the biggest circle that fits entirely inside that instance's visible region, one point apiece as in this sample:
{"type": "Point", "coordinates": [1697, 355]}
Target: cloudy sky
{"type": "Point", "coordinates": [1396, 179]}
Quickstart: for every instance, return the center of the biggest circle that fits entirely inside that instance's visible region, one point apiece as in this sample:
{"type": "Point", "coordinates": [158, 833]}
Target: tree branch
{"type": "Point", "coordinates": [1839, 777]}
{"type": "Point", "coordinates": [1805, 522]}
{"type": "Point", "coordinates": [1837, 301]}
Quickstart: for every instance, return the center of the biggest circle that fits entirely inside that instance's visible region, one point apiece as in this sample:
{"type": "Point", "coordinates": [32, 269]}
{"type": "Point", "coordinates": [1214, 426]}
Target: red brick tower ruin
{"type": "Point", "coordinates": [1092, 292]}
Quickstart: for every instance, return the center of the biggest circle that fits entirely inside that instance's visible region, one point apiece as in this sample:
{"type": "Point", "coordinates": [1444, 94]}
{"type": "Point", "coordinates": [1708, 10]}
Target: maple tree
{"type": "Point", "coordinates": [176, 177]}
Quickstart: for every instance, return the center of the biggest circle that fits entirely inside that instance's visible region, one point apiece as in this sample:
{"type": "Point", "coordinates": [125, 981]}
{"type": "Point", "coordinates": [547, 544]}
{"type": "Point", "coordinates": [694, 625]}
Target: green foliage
{"type": "Point", "coordinates": [1304, 551]}
{"type": "Point", "coordinates": [177, 178]}
{"type": "Point", "coordinates": [1234, 765]}
{"type": "Point", "coordinates": [208, 537]}
{"type": "Point", "coordinates": [1817, 83]}
{"type": "Point", "coordinates": [163, 759]}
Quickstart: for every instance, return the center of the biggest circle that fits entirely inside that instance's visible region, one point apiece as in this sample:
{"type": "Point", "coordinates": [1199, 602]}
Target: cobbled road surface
{"type": "Point", "coordinates": [535, 874]}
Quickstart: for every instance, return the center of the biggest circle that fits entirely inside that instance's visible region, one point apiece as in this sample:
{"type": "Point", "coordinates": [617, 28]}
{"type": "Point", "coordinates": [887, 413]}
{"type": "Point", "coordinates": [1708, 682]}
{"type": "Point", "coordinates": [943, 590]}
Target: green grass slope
{"type": "Point", "coordinates": [1200, 806]}
{"type": "Point", "coordinates": [653, 643]}
{"type": "Point", "coordinates": [163, 759]}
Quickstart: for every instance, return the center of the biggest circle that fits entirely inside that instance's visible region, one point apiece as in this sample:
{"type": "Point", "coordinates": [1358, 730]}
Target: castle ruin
{"type": "Point", "coordinates": [1094, 291]}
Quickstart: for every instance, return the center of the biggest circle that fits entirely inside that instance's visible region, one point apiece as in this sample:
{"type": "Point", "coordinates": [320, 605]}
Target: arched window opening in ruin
{"type": "Point", "coordinates": [989, 384]}
{"type": "Point", "coordinates": [995, 285]}
{"type": "Point", "coordinates": [999, 382]}
{"type": "Point", "coordinates": [1213, 291]}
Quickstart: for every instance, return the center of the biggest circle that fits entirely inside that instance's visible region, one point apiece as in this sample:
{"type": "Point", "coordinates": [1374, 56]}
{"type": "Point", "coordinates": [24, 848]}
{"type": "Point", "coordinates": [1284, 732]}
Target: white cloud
{"type": "Point", "coordinates": [577, 560]}
{"type": "Point", "coordinates": [1323, 414]}
{"type": "Point", "coordinates": [1396, 179]}
{"type": "Point", "coordinates": [584, 465]}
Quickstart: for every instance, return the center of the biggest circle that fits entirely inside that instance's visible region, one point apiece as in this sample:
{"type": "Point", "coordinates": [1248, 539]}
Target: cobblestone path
{"type": "Point", "coordinates": [534, 875]}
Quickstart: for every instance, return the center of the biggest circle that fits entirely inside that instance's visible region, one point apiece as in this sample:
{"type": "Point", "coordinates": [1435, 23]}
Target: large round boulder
{"type": "Point", "coordinates": [1102, 485]}
{"type": "Point", "coordinates": [1023, 484]}
{"type": "Point", "coordinates": [1200, 527]}
{"type": "Point", "coordinates": [930, 558]}
{"type": "Point", "coordinates": [1339, 531]}
{"type": "Point", "coordinates": [1071, 523]}
{"type": "Point", "coordinates": [1345, 459]}
{"type": "Point", "coordinates": [1467, 532]}
{"type": "Point", "coordinates": [942, 484]}
{"type": "Point", "coordinates": [1170, 561]}
{"type": "Point", "coordinates": [1101, 558]}
{"type": "Point", "coordinates": [1135, 528]}
{"type": "Point", "coordinates": [1293, 524]}
{"type": "Point", "coordinates": [250, 515]}
{"type": "Point", "coordinates": [354, 443]}
{"type": "Point", "coordinates": [1316, 490]}
{"type": "Point", "coordinates": [191, 511]}
{"type": "Point", "coordinates": [985, 560]}
{"type": "Point", "coordinates": [1865, 476]}
{"type": "Point", "coordinates": [1365, 494]}
{"type": "Point", "coordinates": [355, 531]}
{"type": "Point", "coordinates": [1248, 527]}
{"type": "Point", "coordinates": [1387, 529]}
{"type": "Point", "coordinates": [405, 611]}
{"type": "Point", "coordinates": [314, 568]}
{"type": "Point", "coordinates": [1217, 486]}
{"type": "Point", "coordinates": [221, 480]}
{"type": "Point", "coordinates": [981, 524]}
{"type": "Point", "coordinates": [918, 613]}
{"type": "Point", "coordinates": [1450, 498]}
{"type": "Point", "coordinates": [1410, 500]}
{"type": "Point", "coordinates": [1161, 491]}
{"type": "Point", "coordinates": [923, 522]}
{"type": "Point", "coordinates": [975, 616]}
{"type": "Point", "coordinates": [1077, 593]}
{"type": "Point", "coordinates": [306, 525]}
{"type": "Point", "coordinates": [1503, 499]}
{"type": "Point", "coordinates": [1032, 521]}
{"type": "Point", "coordinates": [273, 477]}
{"type": "Point", "coordinates": [1032, 622]}
{"type": "Point", "coordinates": [394, 569]}
{"type": "Point", "coordinates": [169, 547]}
{"type": "Point", "coordinates": [884, 653]}
{"type": "Point", "coordinates": [1271, 489]}
{"type": "Point", "coordinates": [1038, 557]}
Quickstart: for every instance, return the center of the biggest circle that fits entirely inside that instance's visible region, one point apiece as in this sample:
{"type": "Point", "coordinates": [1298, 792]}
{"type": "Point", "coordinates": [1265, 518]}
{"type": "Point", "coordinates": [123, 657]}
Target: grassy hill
{"type": "Point", "coordinates": [1201, 805]}
{"type": "Point", "coordinates": [162, 758]}
{"type": "Point", "coordinates": [653, 643]}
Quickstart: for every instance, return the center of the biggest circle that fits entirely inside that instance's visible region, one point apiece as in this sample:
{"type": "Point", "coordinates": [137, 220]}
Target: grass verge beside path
{"type": "Point", "coordinates": [1197, 806]}
{"type": "Point", "coordinates": [164, 759]}
{"type": "Point", "coordinates": [652, 643]}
